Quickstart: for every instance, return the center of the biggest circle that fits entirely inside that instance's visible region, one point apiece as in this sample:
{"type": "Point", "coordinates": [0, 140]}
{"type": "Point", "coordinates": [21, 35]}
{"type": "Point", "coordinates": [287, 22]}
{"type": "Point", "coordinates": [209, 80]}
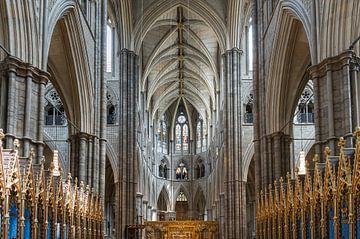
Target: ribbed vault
{"type": "Point", "coordinates": [180, 55]}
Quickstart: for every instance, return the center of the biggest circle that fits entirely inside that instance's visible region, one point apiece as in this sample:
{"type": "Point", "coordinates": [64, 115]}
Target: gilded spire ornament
{"type": "Point", "coordinates": [323, 201]}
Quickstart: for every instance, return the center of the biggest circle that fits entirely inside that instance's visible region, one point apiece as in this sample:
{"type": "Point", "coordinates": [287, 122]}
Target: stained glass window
{"type": "Point", "coordinates": [198, 135]}
{"type": "Point", "coordinates": [178, 137]}
{"type": "Point", "coordinates": [181, 133]}
{"type": "Point", "coordinates": [204, 127]}
{"type": "Point", "coordinates": [164, 133]}
{"type": "Point", "coordinates": [185, 137]}
{"type": "Point", "coordinates": [181, 119]}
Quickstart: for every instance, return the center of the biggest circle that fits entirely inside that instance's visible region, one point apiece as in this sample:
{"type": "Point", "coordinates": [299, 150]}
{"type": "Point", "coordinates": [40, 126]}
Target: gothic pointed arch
{"type": "Point", "coordinates": [182, 204]}
{"type": "Point", "coordinates": [200, 204]}
{"type": "Point", "coordinates": [67, 59]}
{"type": "Point", "coordinates": [163, 200]}
{"type": "Point", "coordinates": [110, 208]}
{"type": "Point", "coordinates": [291, 32]}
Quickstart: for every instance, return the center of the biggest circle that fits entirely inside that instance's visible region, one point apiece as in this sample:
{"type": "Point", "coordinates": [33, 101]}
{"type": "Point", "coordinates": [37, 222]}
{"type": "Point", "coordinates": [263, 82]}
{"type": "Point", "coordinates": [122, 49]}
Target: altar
{"type": "Point", "coordinates": [181, 229]}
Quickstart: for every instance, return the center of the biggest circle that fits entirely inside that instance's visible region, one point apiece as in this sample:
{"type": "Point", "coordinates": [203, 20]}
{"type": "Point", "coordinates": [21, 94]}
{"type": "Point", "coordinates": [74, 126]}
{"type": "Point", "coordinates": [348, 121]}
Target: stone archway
{"type": "Point", "coordinates": [163, 205]}
{"type": "Point", "coordinates": [110, 202]}
{"type": "Point", "coordinates": [182, 206]}
{"type": "Point", "coordinates": [250, 200]}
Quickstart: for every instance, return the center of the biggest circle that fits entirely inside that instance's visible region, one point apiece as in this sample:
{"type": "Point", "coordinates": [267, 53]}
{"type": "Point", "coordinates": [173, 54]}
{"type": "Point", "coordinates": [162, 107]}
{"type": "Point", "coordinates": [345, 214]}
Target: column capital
{"type": "Point", "coordinates": [334, 63]}
{"type": "Point", "coordinates": [235, 49]}
{"type": "Point", "coordinates": [23, 69]}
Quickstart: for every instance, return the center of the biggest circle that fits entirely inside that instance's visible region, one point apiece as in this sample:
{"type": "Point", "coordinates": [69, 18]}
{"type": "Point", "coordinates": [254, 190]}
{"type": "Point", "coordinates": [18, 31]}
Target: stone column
{"type": "Point", "coordinates": [234, 216]}
{"type": "Point", "coordinates": [82, 158]}
{"type": "Point", "coordinates": [145, 208]}
{"type": "Point", "coordinates": [220, 211]}
{"type": "Point", "coordinates": [27, 116]}
{"type": "Point", "coordinates": [336, 100]}
{"type": "Point", "coordinates": [22, 89]}
{"type": "Point", "coordinates": [149, 218]}
{"type": "Point", "coordinates": [139, 204]}
{"type": "Point", "coordinates": [90, 159]}
{"type": "Point", "coordinates": [11, 114]}
{"type": "Point", "coordinates": [100, 158]}
{"type": "Point", "coordinates": [154, 214]}
{"type": "Point", "coordinates": [127, 139]}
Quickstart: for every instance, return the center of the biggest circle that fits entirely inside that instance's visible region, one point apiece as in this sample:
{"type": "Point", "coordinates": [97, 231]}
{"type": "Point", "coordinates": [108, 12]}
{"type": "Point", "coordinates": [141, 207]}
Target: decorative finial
{"type": "Point", "coordinates": [32, 154]}
{"type": "Point", "coordinates": [357, 133]}
{"type": "Point", "coordinates": [341, 143]}
{"type": "Point", "coordinates": [281, 180]}
{"type": "Point", "coordinates": [69, 178]}
{"type": "Point", "coordinates": [16, 144]}
{"type": "Point", "coordinates": [316, 158]}
{"type": "Point", "coordinates": [2, 135]}
{"type": "Point", "coordinates": [327, 151]}
{"type": "Point", "coordinates": [55, 164]}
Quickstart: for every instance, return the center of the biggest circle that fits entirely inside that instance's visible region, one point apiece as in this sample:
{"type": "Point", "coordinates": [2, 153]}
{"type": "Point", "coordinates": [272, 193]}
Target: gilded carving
{"type": "Point", "coordinates": [32, 197]}
{"type": "Point", "coordinates": [320, 204]}
{"type": "Point", "coordinates": [177, 229]}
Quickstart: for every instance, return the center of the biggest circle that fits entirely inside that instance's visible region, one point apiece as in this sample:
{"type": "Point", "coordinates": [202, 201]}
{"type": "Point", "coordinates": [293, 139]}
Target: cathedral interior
{"type": "Point", "coordinates": [179, 119]}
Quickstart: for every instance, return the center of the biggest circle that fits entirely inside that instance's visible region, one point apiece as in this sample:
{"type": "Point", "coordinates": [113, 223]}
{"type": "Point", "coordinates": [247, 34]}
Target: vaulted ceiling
{"type": "Point", "coordinates": [180, 60]}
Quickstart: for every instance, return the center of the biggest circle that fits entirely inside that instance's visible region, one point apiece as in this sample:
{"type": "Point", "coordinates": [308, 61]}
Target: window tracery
{"type": "Point", "coordinates": [163, 135]}
{"type": "Point", "coordinates": [54, 109]}
{"type": "Point", "coordinates": [305, 111]}
{"type": "Point", "coordinates": [181, 133]}
{"type": "Point", "coordinates": [200, 169]}
{"type": "Point", "coordinates": [198, 134]}
{"type": "Point", "coordinates": [201, 134]}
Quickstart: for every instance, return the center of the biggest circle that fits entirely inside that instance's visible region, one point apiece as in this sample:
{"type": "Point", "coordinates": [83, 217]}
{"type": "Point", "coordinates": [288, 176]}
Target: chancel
{"type": "Point", "coordinates": [173, 119]}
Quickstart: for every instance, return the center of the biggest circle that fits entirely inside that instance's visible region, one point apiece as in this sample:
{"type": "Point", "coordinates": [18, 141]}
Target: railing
{"type": "Point", "coordinates": [305, 118]}
{"type": "Point", "coordinates": [55, 120]}
{"type": "Point", "coordinates": [38, 203]}
{"type": "Point", "coordinates": [324, 203]}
